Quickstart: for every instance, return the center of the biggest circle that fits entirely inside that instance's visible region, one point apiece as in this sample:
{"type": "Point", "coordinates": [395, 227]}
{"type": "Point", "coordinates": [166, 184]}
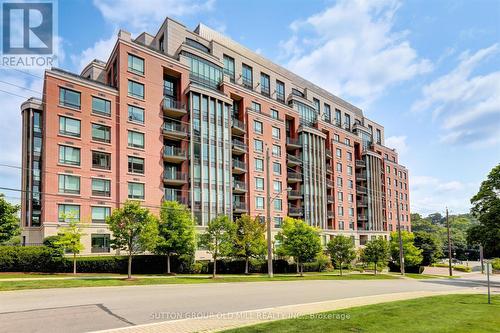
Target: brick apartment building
{"type": "Point", "coordinates": [192, 116]}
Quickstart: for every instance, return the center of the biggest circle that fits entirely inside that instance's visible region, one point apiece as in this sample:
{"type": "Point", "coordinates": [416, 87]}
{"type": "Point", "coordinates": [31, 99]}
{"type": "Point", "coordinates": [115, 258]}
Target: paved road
{"type": "Point", "coordinates": [88, 309]}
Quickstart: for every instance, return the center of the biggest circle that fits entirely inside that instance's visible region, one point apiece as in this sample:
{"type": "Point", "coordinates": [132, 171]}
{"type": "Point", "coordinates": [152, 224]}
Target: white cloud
{"type": "Point", "coordinates": [467, 106]}
{"type": "Point", "coordinates": [352, 49]}
{"type": "Point", "coordinates": [398, 143]}
{"type": "Point", "coordinates": [147, 15]}
{"type": "Point", "coordinates": [100, 50]}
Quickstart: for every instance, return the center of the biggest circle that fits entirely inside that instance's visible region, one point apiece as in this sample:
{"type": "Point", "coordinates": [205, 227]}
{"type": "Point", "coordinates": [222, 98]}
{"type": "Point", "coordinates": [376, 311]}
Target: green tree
{"type": "Point", "coordinates": [9, 222]}
{"type": "Point", "coordinates": [486, 208]}
{"type": "Point", "coordinates": [412, 254]}
{"type": "Point", "coordinates": [376, 251]}
{"type": "Point", "coordinates": [218, 239]}
{"type": "Point", "coordinates": [300, 241]}
{"type": "Point", "coordinates": [341, 249]}
{"type": "Point", "coordinates": [134, 230]}
{"type": "Point", "coordinates": [249, 239]}
{"type": "Point", "coordinates": [70, 239]}
{"type": "Point", "coordinates": [176, 231]}
{"type": "Point", "coordinates": [431, 246]}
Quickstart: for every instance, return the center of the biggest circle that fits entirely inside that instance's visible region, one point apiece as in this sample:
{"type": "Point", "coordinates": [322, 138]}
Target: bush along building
{"type": "Point", "coordinates": [194, 117]}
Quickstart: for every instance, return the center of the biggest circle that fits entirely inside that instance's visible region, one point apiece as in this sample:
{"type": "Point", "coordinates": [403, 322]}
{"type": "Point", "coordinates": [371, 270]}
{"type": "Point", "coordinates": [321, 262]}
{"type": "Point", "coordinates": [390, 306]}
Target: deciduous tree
{"type": "Point", "coordinates": [249, 241]}
{"type": "Point", "coordinates": [341, 250]}
{"type": "Point", "coordinates": [9, 222]}
{"type": "Point", "coordinates": [412, 254]}
{"type": "Point", "coordinates": [218, 239]}
{"type": "Point", "coordinates": [376, 251]}
{"type": "Point", "coordinates": [70, 239]}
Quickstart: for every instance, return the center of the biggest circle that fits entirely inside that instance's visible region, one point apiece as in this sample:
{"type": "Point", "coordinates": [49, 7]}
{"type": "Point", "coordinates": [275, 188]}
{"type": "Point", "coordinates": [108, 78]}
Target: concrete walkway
{"type": "Point", "coordinates": [201, 322]}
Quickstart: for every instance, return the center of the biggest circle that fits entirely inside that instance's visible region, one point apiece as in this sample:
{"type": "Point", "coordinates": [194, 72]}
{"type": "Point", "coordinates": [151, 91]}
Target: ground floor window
{"type": "Point", "coordinates": [100, 243]}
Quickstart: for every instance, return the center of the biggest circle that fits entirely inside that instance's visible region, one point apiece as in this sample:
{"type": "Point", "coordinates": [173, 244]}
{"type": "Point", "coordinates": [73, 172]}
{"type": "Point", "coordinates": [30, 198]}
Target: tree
{"type": "Point", "coordinates": [249, 239]}
{"type": "Point", "coordinates": [341, 250]}
{"type": "Point", "coordinates": [218, 239]}
{"type": "Point", "coordinates": [412, 254]}
{"type": "Point", "coordinates": [70, 239]}
{"type": "Point", "coordinates": [176, 232]}
{"type": "Point", "coordinates": [486, 208]}
{"type": "Point", "coordinates": [376, 251]}
{"type": "Point", "coordinates": [134, 230]}
{"type": "Point", "coordinates": [431, 246]}
{"type": "Point", "coordinates": [300, 241]}
{"type": "Point", "coordinates": [9, 222]}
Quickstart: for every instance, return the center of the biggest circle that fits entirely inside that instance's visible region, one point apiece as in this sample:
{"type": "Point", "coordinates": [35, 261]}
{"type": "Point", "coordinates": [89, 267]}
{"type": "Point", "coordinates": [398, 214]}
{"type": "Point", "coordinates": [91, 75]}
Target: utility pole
{"type": "Point", "coordinates": [481, 258]}
{"type": "Point", "coordinates": [449, 243]}
{"type": "Point", "coordinates": [401, 254]}
{"type": "Point", "coordinates": [268, 224]}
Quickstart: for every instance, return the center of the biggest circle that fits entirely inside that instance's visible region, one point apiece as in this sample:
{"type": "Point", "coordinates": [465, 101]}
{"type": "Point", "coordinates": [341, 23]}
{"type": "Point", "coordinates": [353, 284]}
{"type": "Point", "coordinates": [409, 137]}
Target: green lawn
{"type": "Point", "coordinates": [152, 280]}
{"type": "Point", "coordinates": [437, 314]}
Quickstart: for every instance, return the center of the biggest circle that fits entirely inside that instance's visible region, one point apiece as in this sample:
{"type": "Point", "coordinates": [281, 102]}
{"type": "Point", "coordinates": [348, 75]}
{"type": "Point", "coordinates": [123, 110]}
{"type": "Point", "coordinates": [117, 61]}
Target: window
{"type": "Point", "coordinates": [276, 133]}
{"type": "Point", "coordinates": [351, 183]}
{"type": "Point", "coordinates": [388, 169]}
{"type": "Point", "coordinates": [257, 127]}
{"type": "Point", "coordinates": [280, 91]}
{"type": "Point", "coordinates": [256, 107]}
{"type": "Point", "coordinates": [341, 211]}
{"type": "Point", "coordinates": [258, 145]}
{"type": "Point", "coordinates": [336, 138]}
{"type": "Point", "coordinates": [136, 114]}
{"type": "Point", "coordinates": [69, 155]}
{"type": "Point", "coordinates": [278, 221]}
{"type": "Point", "coordinates": [327, 113]}
{"type": "Point", "coordinates": [101, 187]}
{"type": "Point", "coordinates": [69, 98]}
{"type": "Point", "coordinates": [259, 202]}
{"type": "Point", "coordinates": [68, 213]}
{"type": "Point", "coordinates": [247, 76]}
{"type": "Point", "coordinates": [338, 117]}
{"type": "Point", "coordinates": [101, 160]}
{"type": "Point", "coordinates": [277, 168]}
{"type": "Point", "coordinates": [229, 67]}
{"type": "Point", "coordinates": [259, 183]}
{"type": "Point", "coordinates": [136, 191]}
{"type": "Point", "coordinates": [101, 133]}
{"type": "Point", "coordinates": [265, 88]}
{"type": "Point", "coordinates": [135, 165]}
{"type": "Point", "coordinates": [339, 167]}
{"type": "Point", "coordinates": [135, 89]}
{"type": "Point", "coordinates": [349, 170]}
{"type": "Point", "coordinates": [204, 72]}
{"type": "Point", "coordinates": [339, 181]}
{"type": "Point", "coordinates": [276, 151]}
{"type": "Point", "coordinates": [351, 211]}
{"type": "Point", "coordinates": [135, 64]}
{"type": "Point", "coordinates": [378, 136]}
{"type": "Point", "coordinates": [100, 214]}
{"type": "Point", "coordinates": [278, 204]}
{"type": "Point", "coordinates": [259, 164]}
{"type": "Point", "coordinates": [347, 124]}
{"type": "Point", "coordinates": [297, 92]}
{"type": "Point", "coordinates": [135, 139]}
{"type": "Point", "coordinates": [101, 106]}
{"type": "Point", "coordinates": [277, 186]}
{"type": "Point", "coordinates": [347, 142]}
{"type": "Point", "coordinates": [338, 152]}
{"type": "Point", "coordinates": [351, 198]}
{"type": "Point", "coordinates": [69, 126]}
{"type": "Point", "coordinates": [275, 114]}
{"type": "Point", "coordinates": [316, 104]}
{"type": "Point", "coordinates": [69, 184]}
{"type": "Point", "coordinates": [349, 156]}
{"type": "Point", "coordinates": [340, 196]}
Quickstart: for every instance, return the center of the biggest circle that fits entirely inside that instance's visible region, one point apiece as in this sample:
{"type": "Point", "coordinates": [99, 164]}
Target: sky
{"type": "Point", "coordinates": [428, 71]}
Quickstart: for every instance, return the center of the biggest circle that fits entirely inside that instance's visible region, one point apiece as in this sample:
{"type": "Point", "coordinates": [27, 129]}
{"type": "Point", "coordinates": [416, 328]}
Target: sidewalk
{"type": "Point", "coordinates": [224, 321]}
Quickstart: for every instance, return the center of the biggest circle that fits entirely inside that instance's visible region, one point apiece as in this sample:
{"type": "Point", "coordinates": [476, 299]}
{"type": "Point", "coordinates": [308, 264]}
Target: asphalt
{"type": "Point", "coordinates": [97, 308]}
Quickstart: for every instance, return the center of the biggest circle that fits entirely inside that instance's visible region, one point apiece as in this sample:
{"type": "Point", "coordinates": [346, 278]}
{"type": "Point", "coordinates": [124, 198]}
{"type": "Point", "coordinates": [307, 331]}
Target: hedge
{"type": "Point", "coordinates": [460, 268]}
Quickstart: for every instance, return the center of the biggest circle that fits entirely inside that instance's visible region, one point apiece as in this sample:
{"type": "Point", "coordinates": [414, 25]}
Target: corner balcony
{"type": "Point", "coordinates": [362, 217]}
{"type": "Point", "coordinates": [294, 177]}
{"type": "Point", "coordinates": [237, 126]}
{"type": "Point", "coordinates": [328, 153]}
{"type": "Point", "coordinates": [239, 147]}
{"type": "Point", "coordinates": [362, 203]}
{"type": "Point", "coordinates": [169, 196]}
{"type": "Point", "coordinates": [293, 143]}
{"type": "Point", "coordinates": [173, 108]}
{"type": "Point", "coordinates": [174, 154]}
{"type": "Point", "coordinates": [330, 214]}
{"type": "Point", "coordinates": [239, 167]}
{"type": "Point", "coordinates": [239, 186]}
{"type": "Point", "coordinates": [173, 130]}
{"type": "Point", "coordinates": [361, 190]}
{"type": "Point", "coordinates": [295, 195]}
{"type": "Point", "coordinates": [175, 178]}
{"type": "Point", "coordinates": [329, 183]}
{"type": "Point", "coordinates": [360, 164]}
{"type": "Point", "coordinates": [360, 175]}
{"type": "Point", "coordinates": [239, 207]}
{"type": "Point", "coordinates": [292, 160]}
{"type": "Point", "coordinates": [295, 211]}
{"type": "Point", "coordinates": [329, 198]}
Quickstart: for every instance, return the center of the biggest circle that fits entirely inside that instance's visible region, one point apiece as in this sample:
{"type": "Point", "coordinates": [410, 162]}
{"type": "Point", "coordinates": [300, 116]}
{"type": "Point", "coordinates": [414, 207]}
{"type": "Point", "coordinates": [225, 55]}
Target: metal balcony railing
{"type": "Point", "coordinates": [175, 175]}
{"type": "Point", "coordinates": [174, 151]}
{"type": "Point", "coordinates": [360, 164]}
{"type": "Point", "coordinates": [361, 189]}
{"type": "Point", "coordinates": [239, 205]}
{"type": "Point", "coordinates": [239, 164]}
{"type": "Point", "coordinates": [293, 141]}
{"type": "Point", "coordinates": [239, 144]}
{"type": "Point", "coordinates": [293, 158]}
{"type": "Point", "coordinates": [294, 210]}
{"type": "Point", "coordinates": [170, 103]}
{"type": "Point", "coordinates": [239, 185]}
{"type": "Point", "coordinates": [294, 176]}
{"type": "Point", "coordinates": [236, 123]}
{"type": "Point", "coordinates": [174, 127]}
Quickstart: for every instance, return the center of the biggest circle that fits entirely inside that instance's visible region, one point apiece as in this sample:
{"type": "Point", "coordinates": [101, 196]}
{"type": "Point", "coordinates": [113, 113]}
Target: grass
{"type": "Point", "coordinates": [437, 314]}
{"type": "Point", "coordinates": [86, 281]}
{"type": "Point", "coordinates": [426, 276]}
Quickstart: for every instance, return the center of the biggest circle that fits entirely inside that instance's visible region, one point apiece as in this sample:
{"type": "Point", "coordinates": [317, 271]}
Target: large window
{"type": "Point", "coordinates": [197, 45]}
{"type": "Point", "coordinates": [278, 204]}
{"type": "Point", "coordinates": [136, 191]}
{"type": "Point", "coordinates": [204, 72]}
{"type": "Point", "coordinates": [136, 114]}
{"type": "Point", "coordinates": [135, 165]}
{"type": "Point", "coordinates": [69, 155]}
{"type": "Point", "coordinates": [259, 164]}
{"type": "Point", "coordinates": [259, 202]}
{"type": "Point", "coordinates": [338, 119]}
{"type": "Point", "coordinates": [280, 91]}
{"type": "Point", "coordinates": [277, 185]}
{"type": "Point", "coordinates": [276, 151]}
{"type": "Point", "coordinates": [68, 213]}
{"type": "Point", "coordinates": [257, 127]}
{"type": "Point", "coordinates": [247, 76]}
{"type": "Point", "coordinates": [258, 145]}
{"type": "Point", "coordinates": [259, 183]}
{"type": "Point", "coordinates": [265, 88]}
{"type": "Point", "coordinates": [327, 113]}
{"type": "Point", "coordinates": [101, 106]}
{"type": "Point", "coordinates": [276, 168]}
{"type": "Point", "coordinates": [101, 133]}
{"type": "Point", "coordinates": [69, 126]}
{"type": "Point", "coordinates": [101, 160]}
{"type": "Point", "coordinates": [69, 98]}
{"type": "Point", "coordinates": [101, 187]}
{"type": "Point", "coordinates": [135, 139]}
{"type": "Point", "coordinates": [100, 214]}
{"type": "Point", "coordinates": [308, 115]}
{"type": "Point", "coordinates": [100, 243]}
{"type": "Point", "coordinates": [69, 184]}
{"type": "Point", "coordinates": [135, 64]}
{"type": "Point", "coordinates": [276, 133]}
{"type": "Point", "coordinates": [135, 89]}
{"type": "Point", "coordinates": [229, 67]}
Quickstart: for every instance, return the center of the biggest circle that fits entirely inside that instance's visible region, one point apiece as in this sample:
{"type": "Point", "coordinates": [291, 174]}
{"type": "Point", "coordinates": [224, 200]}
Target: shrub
{"type": "Point", "coordinates": [495, 263]}
{"type": "Point", "coordinates": [462, 268]}
{"type": "Point", "coordinates": [28, 259]}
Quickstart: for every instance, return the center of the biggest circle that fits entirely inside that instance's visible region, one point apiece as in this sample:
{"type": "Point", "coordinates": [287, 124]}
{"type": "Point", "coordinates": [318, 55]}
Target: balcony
{"type": "Point", "coordinates": [174, 154]}
{"type": "Point", "coordinates": [292, 160]}
{"type": "Point", "coordinates": [330, 214]}
{"type": "Point", "coordinates": [360, 164]}
{"type": "Point", "coordinates": [171, 195]}
{"type": "Point", "coordinates": [293, 143]}
{"type": "Point", "coordinates": [362, 217]}
{"type": "Point", "coordinates": [237, 126]}
{"type": "Point", "coordinates": [239, 147]}
{"type": "Point", "coordinates": [295, 195]}
{"type": "Point", "coordinates": [294, 177]}
{"type": "Point", "coordinates": [239, 207]}
{"type": "Point", "coordinates": [239, 187]}
{"type": "Point", "coordinates": [174, 130]}
{"type": "Point", "coordinates": [360, 175]}
{"type": "Point", "coordinates": [295, 211]}
{"type": "Point", "coordinates": [328, 153]}
{"type": "Point", "coordinates": [239, 167]}
{"type": "Point", "coordinates": [173, 108]}
{"type": "Point", "coordinates": [175, 178]}
{"type": "Point", "coordinates": [361, 190]}
{"type": "Point", "coordinates": [329, 183]}
{"type": "Point", "coordinates": [362, 203]}
{"type": "Point", "coordinates": [329, 198]}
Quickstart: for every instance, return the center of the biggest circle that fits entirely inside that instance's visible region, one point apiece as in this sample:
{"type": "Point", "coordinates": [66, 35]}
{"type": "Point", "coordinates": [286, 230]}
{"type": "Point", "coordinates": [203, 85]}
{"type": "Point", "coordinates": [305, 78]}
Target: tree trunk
{"type": "Point", "coordinates": [215, 267]}
{"type": "Point", "coordinates": [340, 268]}
{"type": "Point", "coordinates": [375, 268]}
{"type": "Point", "coordinates": [246, 265]}
{"type": "Point", "coordinates": [301, 269]}
{"type": "Point", "coordinates": [129, 271]}
{"type": "Point", "coordinates": [74, 263]}
{"type": "Point", "coordinates": [168, 263]}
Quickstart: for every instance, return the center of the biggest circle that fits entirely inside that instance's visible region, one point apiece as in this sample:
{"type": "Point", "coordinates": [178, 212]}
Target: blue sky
{"type": "Point", "coordinates": [429, 71]}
